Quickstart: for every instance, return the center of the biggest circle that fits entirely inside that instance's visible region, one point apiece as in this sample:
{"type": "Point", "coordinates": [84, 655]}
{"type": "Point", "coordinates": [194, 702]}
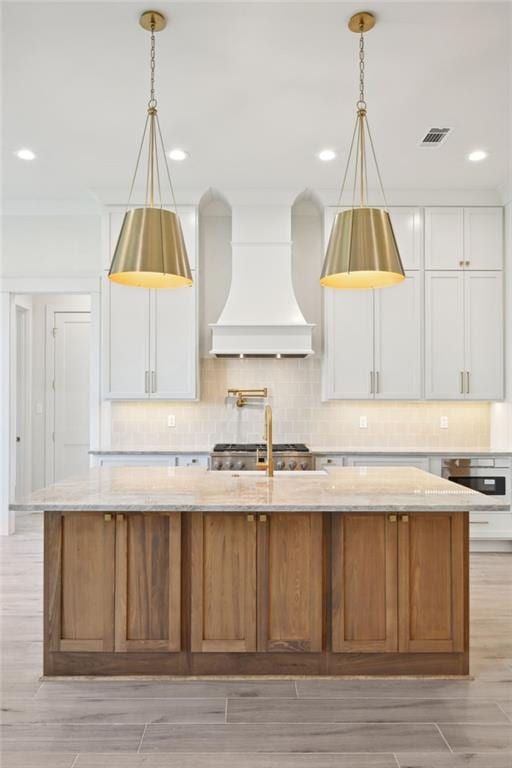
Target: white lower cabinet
{"type": "Point", "coordinates": [150, 343]}
{"type": "Point", "coordinates": [373, 343]}
{"type": "Point", "coordinates": [420, 462]}
{"type": "Point", "coordinates": [464, 335]}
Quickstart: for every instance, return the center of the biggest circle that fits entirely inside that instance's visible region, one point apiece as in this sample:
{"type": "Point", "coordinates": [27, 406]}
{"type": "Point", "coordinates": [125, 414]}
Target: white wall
{"type": "Point", "coordinates": [51, 245]}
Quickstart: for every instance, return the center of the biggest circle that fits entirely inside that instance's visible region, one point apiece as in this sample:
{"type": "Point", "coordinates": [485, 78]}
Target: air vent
{"type": "Point", "coordinates": [434, 137]}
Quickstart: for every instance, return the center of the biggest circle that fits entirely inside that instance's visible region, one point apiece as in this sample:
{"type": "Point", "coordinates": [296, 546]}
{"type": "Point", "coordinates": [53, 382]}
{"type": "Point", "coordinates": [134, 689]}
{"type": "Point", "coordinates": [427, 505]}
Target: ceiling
{"type": "Point", "coordinates": [253, 91]}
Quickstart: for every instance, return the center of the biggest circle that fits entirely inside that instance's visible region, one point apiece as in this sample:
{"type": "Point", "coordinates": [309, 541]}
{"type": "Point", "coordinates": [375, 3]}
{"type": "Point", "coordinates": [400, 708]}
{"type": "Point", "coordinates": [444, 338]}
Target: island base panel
{"type": "Point", "coordinates": [256, 664]}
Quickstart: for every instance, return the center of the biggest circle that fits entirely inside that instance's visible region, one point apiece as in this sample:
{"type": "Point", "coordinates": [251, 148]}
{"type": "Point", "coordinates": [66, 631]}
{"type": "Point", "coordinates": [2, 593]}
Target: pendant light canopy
{"type": "Point", "coordinates": [150, 251]}
{"type": "Point", "coordinates": [362, 250]}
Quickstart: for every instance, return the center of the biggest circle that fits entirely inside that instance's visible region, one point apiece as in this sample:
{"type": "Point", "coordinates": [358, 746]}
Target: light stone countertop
{"type": "Point", "coordinates": [344, 489]}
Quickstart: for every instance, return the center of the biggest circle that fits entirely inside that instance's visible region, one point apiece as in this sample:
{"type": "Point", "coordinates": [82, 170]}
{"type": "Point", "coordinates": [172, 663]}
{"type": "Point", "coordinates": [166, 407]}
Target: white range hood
{"type": "Point", "coordinates": [261, 317]}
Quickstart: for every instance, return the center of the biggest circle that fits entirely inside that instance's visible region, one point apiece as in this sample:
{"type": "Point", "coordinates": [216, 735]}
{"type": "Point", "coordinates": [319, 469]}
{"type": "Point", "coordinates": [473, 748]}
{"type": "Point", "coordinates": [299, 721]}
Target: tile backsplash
{"type": "Point", "coordinates": [299, 414]}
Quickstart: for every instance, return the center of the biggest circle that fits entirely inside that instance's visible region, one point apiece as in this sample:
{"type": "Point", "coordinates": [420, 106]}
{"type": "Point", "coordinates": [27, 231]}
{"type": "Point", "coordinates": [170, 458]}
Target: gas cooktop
{"type": "Point", "coordinates": [253, 447]}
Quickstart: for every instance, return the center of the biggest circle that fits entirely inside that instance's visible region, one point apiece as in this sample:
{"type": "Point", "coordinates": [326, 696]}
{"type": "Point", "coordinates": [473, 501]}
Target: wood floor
{"type": "Point", "coordinates": [252, 724]}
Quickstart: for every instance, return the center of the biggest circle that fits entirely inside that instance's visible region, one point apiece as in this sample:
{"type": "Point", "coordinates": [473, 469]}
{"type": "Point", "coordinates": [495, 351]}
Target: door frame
{"type": "Point", "coordinates": [49, 374]}
{"type": "Point", "coordinates": [22, 310]}
{"type": "Point", "coordinates": [9, 287]}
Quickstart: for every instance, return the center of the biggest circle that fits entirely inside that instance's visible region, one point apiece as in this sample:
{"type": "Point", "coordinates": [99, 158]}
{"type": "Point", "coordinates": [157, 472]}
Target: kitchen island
{"type": "Point", "coordinates": [184, 572]}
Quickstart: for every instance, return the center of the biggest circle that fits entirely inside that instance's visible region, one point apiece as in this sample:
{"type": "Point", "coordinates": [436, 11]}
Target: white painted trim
{"type": "Point", "coordinates": [6, 515]}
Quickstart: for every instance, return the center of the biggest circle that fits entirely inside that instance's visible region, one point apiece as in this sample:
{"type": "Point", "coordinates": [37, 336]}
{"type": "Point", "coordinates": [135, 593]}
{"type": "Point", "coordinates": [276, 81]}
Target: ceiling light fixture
{"type": "Point", "coordinates": [26, 154]}
{"type": "Point", "coordinates": [477, 155]}
{"type": "Point", "coordinates": [150, 251]}
{"type": "Point", "coordinates": [326, 155]}
{"type": "Point", "coordinates": [362, 250]}
{"type": "Point", "coordinates": [178, 154]}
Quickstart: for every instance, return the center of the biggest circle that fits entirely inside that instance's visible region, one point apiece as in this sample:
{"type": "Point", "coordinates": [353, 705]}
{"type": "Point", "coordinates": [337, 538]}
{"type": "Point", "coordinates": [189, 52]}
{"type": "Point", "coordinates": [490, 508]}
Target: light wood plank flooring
{"type": "Point", "coordinates": [252, 724]}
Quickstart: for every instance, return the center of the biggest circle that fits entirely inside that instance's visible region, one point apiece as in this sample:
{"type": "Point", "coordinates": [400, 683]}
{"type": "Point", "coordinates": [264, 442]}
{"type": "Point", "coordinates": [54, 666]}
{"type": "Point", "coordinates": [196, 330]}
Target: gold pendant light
{"type": "Point", "coordinates": [150, 251]}
{"type": "Point", "coordinates": [362, 250]}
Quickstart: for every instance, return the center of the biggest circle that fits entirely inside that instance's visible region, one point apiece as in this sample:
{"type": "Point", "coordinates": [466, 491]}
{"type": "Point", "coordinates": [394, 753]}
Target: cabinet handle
{"type": "Point", "coordinates": [479, 522]}
{"type": "Point", "coordinates": [107, 518]}
{"type": "Point", "coordinates": [392, 518]}
{"type": "Point", "coordinates": [468, 263]}
{"type": "Point", "coordinates": [404, 518]}
{"type": "Point", "coordinates": [461, 263]}
{"type": "Point", "coordinates": [263, 518]}
{"type": "Point", "coordinates": [377, 382]}
{"type": "Point", "coordinates": [467, 382]}
{"type": "Point", "coordinates": [462, 382]}
{"type": "Point", "coordinates": [146, 381]}
{"type": "Point", "coordinates": [372, 392]}
{"type": "Point", "coordinates": [153, 381]}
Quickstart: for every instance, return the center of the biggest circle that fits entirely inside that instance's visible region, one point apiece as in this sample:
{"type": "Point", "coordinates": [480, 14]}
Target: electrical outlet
{"type": "Point", "coordinates": [363, 422]}
{"type": "Point", "coordinates": [171, 420]}
{"type": "Point", "coordinates": [443, 422]}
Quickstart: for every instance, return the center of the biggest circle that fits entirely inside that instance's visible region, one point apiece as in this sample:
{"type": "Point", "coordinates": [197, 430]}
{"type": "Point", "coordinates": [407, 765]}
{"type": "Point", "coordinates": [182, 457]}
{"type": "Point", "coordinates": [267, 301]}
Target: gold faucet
{"type": "Point", "coordinates": [269, 463]}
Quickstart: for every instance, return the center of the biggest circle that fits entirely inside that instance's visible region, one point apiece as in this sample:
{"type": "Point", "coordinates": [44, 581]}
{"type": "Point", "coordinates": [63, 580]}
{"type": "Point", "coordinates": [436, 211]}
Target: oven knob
{"type": "Point", "coordinates": [292, 464]}
{"type": "Point", "coordinates": [304, 465]}
{"type": "Point", "coordinates": [280, 465]}
{"type": "Point", "coordinates": [240, 465]}
{"type": "Point", "coordinates": [217, 464]}
{"type": "Point", "coordinates": [229, 465]}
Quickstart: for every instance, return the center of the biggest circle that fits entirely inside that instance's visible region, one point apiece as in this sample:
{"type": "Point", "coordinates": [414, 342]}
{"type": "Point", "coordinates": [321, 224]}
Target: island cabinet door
{"type": "Point", "coordinates": [79, 581]}
{"type": "Point", "coordinates": [431, 578]}
{"type": "Point", "coordinates": [223, 582]}
{"type": "Point", "coordinates": [290, 579]}
{"type": "Point", "coordinates": [148, 582]}
{"type": "Point", "coordinates": [364, 583]}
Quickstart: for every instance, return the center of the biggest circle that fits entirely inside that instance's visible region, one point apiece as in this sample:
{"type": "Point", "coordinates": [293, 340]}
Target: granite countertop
{"type": "Point", "coordinates": [343, 489]}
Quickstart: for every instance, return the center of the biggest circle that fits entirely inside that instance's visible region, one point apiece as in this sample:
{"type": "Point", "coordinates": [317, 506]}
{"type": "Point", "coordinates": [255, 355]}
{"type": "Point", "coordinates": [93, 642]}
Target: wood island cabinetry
{"type": "Point", "coordinates": [212, 593]}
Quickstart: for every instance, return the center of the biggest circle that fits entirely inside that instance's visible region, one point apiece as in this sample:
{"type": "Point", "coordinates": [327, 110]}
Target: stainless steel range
{"type": "Point", "coordinates": [246, 456]}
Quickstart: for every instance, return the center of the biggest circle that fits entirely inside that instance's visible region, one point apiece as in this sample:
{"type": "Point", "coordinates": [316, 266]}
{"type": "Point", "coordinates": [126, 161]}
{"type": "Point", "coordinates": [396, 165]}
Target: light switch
{"type": "Point", "coordinates": [443, 422]}
{"type": "Point", "coordinates": [171, 420]}
{"type": "Point", "coordinates": [363, 422]}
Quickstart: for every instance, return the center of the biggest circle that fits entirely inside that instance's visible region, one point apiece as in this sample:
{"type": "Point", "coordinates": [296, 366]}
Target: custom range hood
{"type": "Point", "coordinates": [261, 317]}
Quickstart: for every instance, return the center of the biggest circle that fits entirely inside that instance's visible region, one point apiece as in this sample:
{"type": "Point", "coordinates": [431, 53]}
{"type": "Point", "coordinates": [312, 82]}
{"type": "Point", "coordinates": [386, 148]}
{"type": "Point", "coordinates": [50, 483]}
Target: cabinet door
{"type": "Point", "coordinates": [223, 582]}
{"type": "Point", "coordinates": [399, 340]}
{"type": "Point", "coordinates": [126, 353]}
{"type": "Point", "coordinates": [483, 238]}
{"type": "Point", "coordinates": [484, 335]}
{"type": "Point", "coordinates": [364, 583]}
{"type": "Point", "coordinates": [348, 363]}
{"type": "Point", "coordinates": [290, 575]}
{"type": "Point", "coordinates": [174, 344]}
{"type": "Point", "coordinates": [444, 336]}
{"type": "Point", "coordinates": [431, 569]}
{"type": "Point", "coordinates": [148, 582]}
{"type": "Point", "coordinates": [80, 553]}
{"type": "Point", "coordinates": [444, 238]}
{"type": "Point", "coordinates": [408, 228]}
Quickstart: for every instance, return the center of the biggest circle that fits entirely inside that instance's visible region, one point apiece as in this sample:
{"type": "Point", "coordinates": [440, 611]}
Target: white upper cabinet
{"type": "Point", "coordinates": [483, 303]}
{"type": "Point", "coordinates": [464, 238]}
{"type": "Point", "coordinates": [348, 363]}
{"type": "Point", "coordinates": [174, 344]}
{"type": "Point", "coordinates": [483, 238]}
{"type": "Point", "coordinates": [464, 335]}
{"type": "Point", "coordinates": [408, 228]}
{"type": "Point", "coordinates": [150, 337]}
{"type": "Point", "coordinates": [444, 238]}
{"type": "Point", "coordinates": [444, 335]}
{"type": "Point", "coordinates": [126, 340]}
{"type": "Point", "coordinates": [398, 340]}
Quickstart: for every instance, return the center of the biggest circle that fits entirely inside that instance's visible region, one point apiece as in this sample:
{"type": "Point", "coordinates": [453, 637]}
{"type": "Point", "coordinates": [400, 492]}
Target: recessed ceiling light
{"type": "Point", "coordinates": [477, 155]}
{"type": "Point", "coordinates": [178, 154]}
{"type": "Point", "coordinates": [26, 154]}
{"type": "Point", "coordinates": [326, 155]}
